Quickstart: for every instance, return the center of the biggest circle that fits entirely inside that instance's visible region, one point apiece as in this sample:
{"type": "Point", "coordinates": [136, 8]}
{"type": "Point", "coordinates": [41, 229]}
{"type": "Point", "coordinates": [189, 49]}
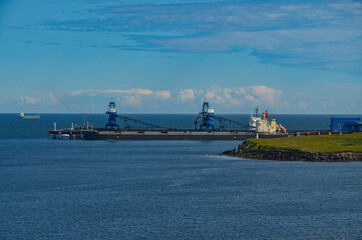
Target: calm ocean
{"type": "Point", "coordinates": [52, 189]}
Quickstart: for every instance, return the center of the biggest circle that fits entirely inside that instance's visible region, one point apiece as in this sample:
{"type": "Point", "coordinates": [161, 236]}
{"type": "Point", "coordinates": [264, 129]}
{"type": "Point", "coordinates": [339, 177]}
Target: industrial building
{"type": "Point", "coordinates": [346, 125]}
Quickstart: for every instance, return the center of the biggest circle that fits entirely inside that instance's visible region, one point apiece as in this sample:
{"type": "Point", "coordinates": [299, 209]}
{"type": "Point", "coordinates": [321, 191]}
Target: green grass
{"type": "Point", "coordinates": [313, 144]}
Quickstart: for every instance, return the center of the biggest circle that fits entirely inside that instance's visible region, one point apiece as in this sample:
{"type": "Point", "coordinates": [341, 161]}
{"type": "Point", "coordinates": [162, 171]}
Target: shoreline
{"type": "Point", "coordinates": [299, 149]}
{"type": "Point", "coordinates": [294, 156]}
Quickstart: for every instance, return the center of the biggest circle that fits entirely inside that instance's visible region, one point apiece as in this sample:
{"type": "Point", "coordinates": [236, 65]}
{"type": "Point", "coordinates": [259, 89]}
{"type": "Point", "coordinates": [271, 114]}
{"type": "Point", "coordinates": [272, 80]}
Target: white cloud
{"type": "Point", "coordinates": [302, 105]}
{"type": "Point", "coordinates": [29, 100]}
{"type": "Point", "coordinates": [163, 94]}
{"type": "Point", "coordinates": [185, 95]}
{"type": "Point", "coordinates": [327, 104]}
{"type": "Point", "coordinates": [244, 95]}
{"type": "Point", "coordinates": [135, 93]}
{"type": "Point", "coordinates": [291, 7]}
{"type": "Point", "coordinates": [266, 94]}
{"type": "Point", "coordinates": [239, 90]}
{"type": "Point", "coordinates": [251, 99]}
{"type": "Point", "coordinates": [94, 92]}
{"type": "Point", "coordinates": [354, 8]}
{"type": "Point", "coordinates": [53, 99]}
{"type": "Point", "coordinates": [215, 94]}
{"type": "Point", "coordinates": [225, 97]}
{"type": "Point", "coordinates": [43, 100]}
{"type": "Point", "coordinates": [131, 100]}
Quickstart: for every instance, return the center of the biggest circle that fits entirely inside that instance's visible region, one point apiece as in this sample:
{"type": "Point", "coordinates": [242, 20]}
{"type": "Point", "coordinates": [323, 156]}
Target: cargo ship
{"type": "Point", "coordinates": [22, 116]}
{"type": "Point", "coordinates": [205, 128]}
{"type": "Point", "coordinates": [148, 134]}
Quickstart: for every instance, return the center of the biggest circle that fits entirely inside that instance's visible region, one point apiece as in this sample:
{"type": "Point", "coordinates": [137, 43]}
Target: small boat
{"type": "Point", "coordinates": [22, 116]}
{"type": "Point", "coordinates": [66, 136]}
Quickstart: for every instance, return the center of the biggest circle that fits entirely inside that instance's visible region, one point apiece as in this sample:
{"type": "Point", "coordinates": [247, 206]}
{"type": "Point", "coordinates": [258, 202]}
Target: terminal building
{"type": "Point", "coordinates": [346, 125]}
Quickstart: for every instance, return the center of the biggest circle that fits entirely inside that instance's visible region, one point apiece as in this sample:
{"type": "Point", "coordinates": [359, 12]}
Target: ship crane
{"type": "Point", "coordinates": [112, 119]}
{"type": "Point", "coordinates": [112, 115]}
{"type": "Point", "coordinates": [207, 117]}
{"type": "Point", "coordinates": [224, 122]}
{"type": "Point", "coordinates": [150, 125]}
{"type": "Point", "coordinates": [204, 121]}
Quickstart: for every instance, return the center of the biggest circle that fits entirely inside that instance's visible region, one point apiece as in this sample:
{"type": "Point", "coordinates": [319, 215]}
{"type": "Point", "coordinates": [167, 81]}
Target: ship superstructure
{"type": "Point", "coordinates": [261, 124]}
{"type": "Point", "coordinates": [253, 119]}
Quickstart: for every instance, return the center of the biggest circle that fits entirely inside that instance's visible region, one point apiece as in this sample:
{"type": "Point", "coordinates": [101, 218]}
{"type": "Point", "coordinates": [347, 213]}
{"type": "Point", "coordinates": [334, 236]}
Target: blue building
{"type": "Point", "coordinates": [346, 125]}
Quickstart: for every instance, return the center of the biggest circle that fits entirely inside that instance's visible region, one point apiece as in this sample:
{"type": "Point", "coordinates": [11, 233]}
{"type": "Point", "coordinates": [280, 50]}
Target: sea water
{"type": "Point", "coordinates": [71, 189]}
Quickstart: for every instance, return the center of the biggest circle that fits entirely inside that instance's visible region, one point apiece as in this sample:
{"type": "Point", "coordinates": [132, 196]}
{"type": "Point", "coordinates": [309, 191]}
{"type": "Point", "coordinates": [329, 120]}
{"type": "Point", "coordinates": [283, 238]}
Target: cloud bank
{"type": "Point", "coordinates": [227, 97]}
{"type": "Point", "coordinates": [24, 100]}
{"type": "Point", "coordinates": [239, 99]}
{"type": "Point", "coordinates": [49, 99]}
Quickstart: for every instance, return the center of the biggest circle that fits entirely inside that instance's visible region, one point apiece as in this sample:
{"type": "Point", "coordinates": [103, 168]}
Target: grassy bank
{"type": "Point", "coordinates": [311, 144]}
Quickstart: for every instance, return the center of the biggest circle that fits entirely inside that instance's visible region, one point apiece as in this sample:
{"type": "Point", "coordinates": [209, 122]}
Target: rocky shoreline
{"type": "Point", "coordinates": [243, 151]}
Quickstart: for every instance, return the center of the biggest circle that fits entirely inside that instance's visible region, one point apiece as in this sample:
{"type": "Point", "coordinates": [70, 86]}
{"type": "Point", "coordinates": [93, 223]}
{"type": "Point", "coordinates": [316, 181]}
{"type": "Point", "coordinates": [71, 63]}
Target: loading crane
{"type": "Point", "coordinates": [150, 125]}
{"type": "Point", "coordinates": [112, 115]}
{"type": "Point", "coordinates": [224, 123]}
{"type": "Point", "coordinates": [206, 120]}
{"type": "Point", "coordinates": [112, 119]}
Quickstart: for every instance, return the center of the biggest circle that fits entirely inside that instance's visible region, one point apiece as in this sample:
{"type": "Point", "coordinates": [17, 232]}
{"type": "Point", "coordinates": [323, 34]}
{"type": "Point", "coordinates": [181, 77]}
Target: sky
{"type": "Point", "coordinates": [73, 56]}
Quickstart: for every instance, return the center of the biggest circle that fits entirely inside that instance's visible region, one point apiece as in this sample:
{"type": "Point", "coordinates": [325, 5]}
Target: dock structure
{"type": "Point", "coordinates": [315, 132]}
{"type": "Point", "coordinates": [70, 133]}
{"type": "Point", "coordinates": [205, 130]}
{"type": "Point", "coordinates": [148, 134]}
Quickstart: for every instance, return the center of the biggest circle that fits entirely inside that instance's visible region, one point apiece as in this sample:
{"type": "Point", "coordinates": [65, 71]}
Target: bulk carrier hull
{"type": "Point", "coordinates": [176, 135]}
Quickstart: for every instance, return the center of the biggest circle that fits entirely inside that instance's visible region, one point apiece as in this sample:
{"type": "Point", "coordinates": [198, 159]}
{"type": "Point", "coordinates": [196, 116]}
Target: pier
{"type": "Point", "coordinates": [90, 133]}
{"type": "Point", "coordinates": [314, 132]}
{"type": "Point", "coordinates": [76, 132]}
{"type": "Point", "coordinates": [205, 128]}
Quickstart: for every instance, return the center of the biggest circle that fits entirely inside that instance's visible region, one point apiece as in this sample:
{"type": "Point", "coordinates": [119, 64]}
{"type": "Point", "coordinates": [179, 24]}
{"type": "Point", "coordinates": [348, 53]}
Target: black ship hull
{"type": "Point", "coordinates": [176, 135]}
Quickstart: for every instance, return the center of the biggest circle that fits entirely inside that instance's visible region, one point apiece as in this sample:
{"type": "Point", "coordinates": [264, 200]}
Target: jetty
{"type": "Point", "coordinates": [259, 126]}
{"type": "Point", "coordinates": [205, 128]}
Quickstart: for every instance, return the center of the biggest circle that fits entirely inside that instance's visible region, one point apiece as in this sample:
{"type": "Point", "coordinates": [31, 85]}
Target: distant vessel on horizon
{"type": "Point", "coordinates": [22, 116]}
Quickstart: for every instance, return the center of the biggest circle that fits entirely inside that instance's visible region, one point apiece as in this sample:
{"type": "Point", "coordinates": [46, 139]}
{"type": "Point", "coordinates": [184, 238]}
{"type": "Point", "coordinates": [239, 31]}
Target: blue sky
{"type": "Point", "coordinates": [166, 56]}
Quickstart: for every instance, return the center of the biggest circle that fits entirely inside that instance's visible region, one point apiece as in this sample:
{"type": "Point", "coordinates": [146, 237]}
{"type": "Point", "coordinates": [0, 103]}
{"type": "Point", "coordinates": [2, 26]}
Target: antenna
{"type": "Point", "coordinates": [84, 118]}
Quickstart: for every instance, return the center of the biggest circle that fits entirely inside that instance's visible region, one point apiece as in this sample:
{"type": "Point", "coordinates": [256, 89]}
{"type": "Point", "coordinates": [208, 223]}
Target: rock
{"type": "Point", "coordinates": [293, 155]}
